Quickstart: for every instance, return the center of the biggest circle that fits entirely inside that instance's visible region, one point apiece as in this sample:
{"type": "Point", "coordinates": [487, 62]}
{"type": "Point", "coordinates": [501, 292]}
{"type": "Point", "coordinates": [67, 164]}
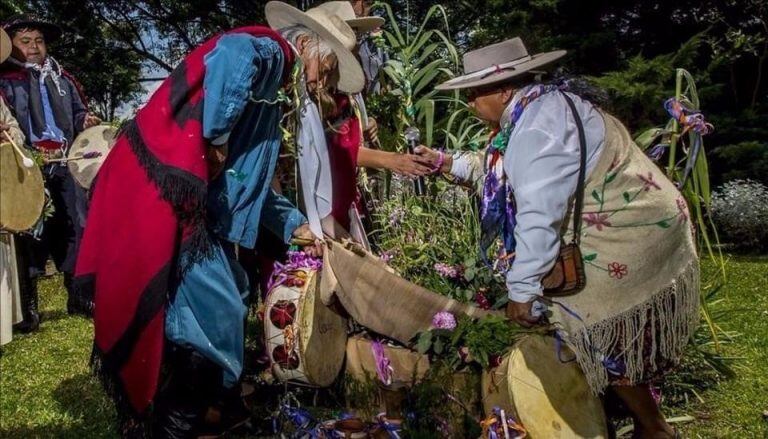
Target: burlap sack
{"type": "Point", "coordinates": [379, 299]}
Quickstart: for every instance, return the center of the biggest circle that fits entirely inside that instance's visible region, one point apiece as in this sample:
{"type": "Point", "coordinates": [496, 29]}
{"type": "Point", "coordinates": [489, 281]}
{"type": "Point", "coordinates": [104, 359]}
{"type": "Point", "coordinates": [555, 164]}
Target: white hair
{"type": "Point", "coordinates": [315, 46]}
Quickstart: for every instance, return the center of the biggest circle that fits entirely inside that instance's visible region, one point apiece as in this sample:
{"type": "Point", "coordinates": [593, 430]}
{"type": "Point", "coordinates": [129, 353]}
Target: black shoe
{"type": "Point", "coordinates": [30, 323]}
{"type": "Point", "coordinates": [31, 320]}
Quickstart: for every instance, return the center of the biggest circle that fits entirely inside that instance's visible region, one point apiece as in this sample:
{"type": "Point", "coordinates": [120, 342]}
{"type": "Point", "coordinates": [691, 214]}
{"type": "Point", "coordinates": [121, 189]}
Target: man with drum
{"type": "Point", "coordinates": [187, 181]}
{"type": "Point", "coordinates": [628, 306]}
{"type": "Point", "coordinates": [51, 109]}
{"type": "Point", "coordinates": [10, 135]}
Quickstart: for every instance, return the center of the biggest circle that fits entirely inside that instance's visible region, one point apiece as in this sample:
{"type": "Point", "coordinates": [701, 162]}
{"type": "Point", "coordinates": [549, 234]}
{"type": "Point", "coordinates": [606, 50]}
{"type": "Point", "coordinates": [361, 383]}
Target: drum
{"type": "Point", "coordinates": [305, 339]}
{"type": "Point", "coordinates": [551, 399]}
{"type": "Point", "coordinates": [88, 152]}
{"type": "Point", "coordinates": [22, 194]}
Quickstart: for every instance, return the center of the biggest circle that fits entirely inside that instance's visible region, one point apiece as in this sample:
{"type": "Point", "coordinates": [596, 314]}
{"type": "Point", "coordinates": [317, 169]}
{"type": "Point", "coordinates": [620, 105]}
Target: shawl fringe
{"type": "Point", "coordinates": [130, 424]}
{"type": "Point", "coordinates": [673, 312]}
{"type": "Point", "coordinates": [186, 193]}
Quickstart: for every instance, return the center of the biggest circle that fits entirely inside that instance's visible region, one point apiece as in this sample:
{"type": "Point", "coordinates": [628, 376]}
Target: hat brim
{"type": "Point", "coordinates": [5, 46]}
{"type": "Point", "coordinates": [505, 72]}
{"type": "Point", "coordinates": [50, 31]}
{"type": "Point", "coordinates": [351, 78]}
{"type": "Point", "coordinates": [366, 24]}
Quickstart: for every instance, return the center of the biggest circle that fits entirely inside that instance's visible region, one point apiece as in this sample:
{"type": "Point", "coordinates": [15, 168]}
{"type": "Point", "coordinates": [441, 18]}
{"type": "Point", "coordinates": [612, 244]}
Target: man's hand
{"type": "Point", "coordinates": [304, 233]}
{"type": "Point", "coordinates": [520, 312]}
{"type": "Point", "coordinates": [4, 133]}
{"type": "Point", "coordinates": [91, 120]}
{"type": "Point", "coordinates": [432, 157]}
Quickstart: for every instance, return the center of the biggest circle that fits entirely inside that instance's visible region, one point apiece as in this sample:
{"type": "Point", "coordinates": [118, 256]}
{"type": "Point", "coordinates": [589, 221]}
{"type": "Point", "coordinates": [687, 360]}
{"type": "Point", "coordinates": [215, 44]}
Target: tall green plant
{"type": "Point", "coordinates": [418, 61]}
{"type": "Point", "coordinates": [695, 188]}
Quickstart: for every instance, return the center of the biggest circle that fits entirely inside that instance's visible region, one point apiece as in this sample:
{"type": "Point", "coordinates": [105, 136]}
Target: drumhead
{"type": "Point", "coordinates": [305, 340]}
{"type": "Point", "coordinates": [550, 398]}
{"type": "Point", "coordinates": [22, 194]}
{"type": "Point", "coordinates": [97, 141]}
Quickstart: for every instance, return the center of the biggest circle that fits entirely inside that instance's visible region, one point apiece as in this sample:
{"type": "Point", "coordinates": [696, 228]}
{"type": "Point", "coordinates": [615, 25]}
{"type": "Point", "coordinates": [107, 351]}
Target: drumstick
{"type": "Point", "coordinates": [504, 424]}
{"type": "Point", "coordinates": [87, 155]}
{"type": "Point", "coordinates": [28, 162]}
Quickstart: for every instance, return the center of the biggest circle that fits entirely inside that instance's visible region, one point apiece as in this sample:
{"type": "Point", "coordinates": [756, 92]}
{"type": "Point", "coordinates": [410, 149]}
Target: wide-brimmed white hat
{"type": "Point", "coordinates": [347, 13]}
{"type": "Point", "coordinates": [5, 46]}
{"type": "Point", "coordinates": [498, 63]}
{"type": "Point", "coordinates": [332, 29]}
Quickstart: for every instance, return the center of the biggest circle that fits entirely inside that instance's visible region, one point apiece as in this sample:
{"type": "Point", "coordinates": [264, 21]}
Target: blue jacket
{"type": "Point", "coordinates": [207, 313]}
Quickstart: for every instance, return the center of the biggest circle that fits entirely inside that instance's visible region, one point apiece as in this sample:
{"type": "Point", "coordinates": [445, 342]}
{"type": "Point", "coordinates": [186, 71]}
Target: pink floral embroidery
{"type": "Point", "coordinates": [648, 182]}
{"type": "Point", "coordinates": [682, 208]}
{"type": "Point", "coordinates": [599, 220]}
{"type": "Point", "coordinates": [617, 270]}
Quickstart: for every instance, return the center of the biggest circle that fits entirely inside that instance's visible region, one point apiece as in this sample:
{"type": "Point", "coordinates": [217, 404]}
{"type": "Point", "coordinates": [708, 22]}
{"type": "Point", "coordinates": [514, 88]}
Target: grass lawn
{"type": "Point", "coordinates": [46, 389]}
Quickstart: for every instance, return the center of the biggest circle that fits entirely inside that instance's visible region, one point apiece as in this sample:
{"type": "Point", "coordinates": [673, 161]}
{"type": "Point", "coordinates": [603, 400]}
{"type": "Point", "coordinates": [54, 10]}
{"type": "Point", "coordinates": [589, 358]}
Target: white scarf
{"type": "Point", "coordinates": [50, 68]}
{"type": "Point", "coordinates": [314, 164]}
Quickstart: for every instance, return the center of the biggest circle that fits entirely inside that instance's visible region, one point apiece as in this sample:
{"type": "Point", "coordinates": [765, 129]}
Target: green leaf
{"type": "Point", "coordinates": [646, 138]}
{"type": "Point", "coordinates": [596, 196]}
{"type": "Point", "coordinates": [438, 346]}
{"type": "Point", "coordinates": [424, 343]}
{"type": "Point", "coordinates": [664, 224]}
{"type": "Point", "coordinates": [626, 197]}
{"type": "Point", "coordinates": [469, 274]}
{"type": "Point", "coordinates": [610, 177]}
{"type": "Point", "coordinates": [590, 257]}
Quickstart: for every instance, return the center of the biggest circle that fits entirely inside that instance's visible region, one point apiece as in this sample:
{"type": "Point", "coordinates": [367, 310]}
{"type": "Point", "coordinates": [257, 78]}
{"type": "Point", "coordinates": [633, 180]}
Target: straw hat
{"type": "Point", "coordinates": [347, 13]}
{"type": "Point", "coordinates": [5, 46]}
{"type": "Point", "coordinates": [332, 29]}
{"type": "Point", "coordinates": [498, 63]}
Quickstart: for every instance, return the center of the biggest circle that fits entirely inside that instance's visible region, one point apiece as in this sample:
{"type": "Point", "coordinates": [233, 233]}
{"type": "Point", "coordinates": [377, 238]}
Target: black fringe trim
{"type": "Point", "coordinates": [130, 424]}
{"type": "Point", "coordinates": [186, 193]}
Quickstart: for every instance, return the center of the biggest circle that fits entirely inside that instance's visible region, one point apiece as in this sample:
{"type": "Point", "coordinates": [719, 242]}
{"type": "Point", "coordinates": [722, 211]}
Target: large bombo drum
{"type": "Point", "coordinates": [22, 194]}
{"type": "Point", "coordinates": [88, 152]}
{"type": "Point", "coordinates": [305, 339]}
{"type": "Point", "coordinates": [550, 398]}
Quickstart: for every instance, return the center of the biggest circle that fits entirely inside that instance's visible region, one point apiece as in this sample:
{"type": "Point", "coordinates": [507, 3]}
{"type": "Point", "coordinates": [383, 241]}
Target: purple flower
{"type": "Point", "coordinates": [386, 256]}
{"type": "Point", "coordinates": [444, 320]}
{"type": "Point", "coordinates": [396, 216]}
{"type": "Point", "coordinates": [449, 271]}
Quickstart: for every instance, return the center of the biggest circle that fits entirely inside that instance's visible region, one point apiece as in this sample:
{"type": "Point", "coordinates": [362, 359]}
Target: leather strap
{"type": "Point", "coordinates": [578, 203]}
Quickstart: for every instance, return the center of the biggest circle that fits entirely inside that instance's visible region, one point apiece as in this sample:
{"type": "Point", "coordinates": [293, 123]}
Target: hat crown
{"type": "Point", "coordinates": [343, 9]}
{"type": "Point", "coordinates": [336, 25]}
{"type": "Point", "coordinates": [495, 54]}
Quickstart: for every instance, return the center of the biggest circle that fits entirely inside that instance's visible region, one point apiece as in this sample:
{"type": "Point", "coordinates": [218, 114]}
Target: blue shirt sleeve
{"type": "Point", "coordinates": [280, 217]}
{"type": "Point", "coordinates": [229, 74]}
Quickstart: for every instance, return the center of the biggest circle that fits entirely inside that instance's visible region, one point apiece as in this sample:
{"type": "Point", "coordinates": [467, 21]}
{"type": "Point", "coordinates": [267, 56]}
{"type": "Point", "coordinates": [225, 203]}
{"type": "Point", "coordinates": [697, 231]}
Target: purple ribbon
{"type": "Point", "coordinates": [297, 260]}
{"type": "Point", "coordinates": [383, 365]}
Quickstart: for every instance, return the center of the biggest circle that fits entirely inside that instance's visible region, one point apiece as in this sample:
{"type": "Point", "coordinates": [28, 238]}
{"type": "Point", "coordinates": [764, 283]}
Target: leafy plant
{"type": "Point", "coordinates": [433, 242]}
{"type": "Point", "coordinates": [687, 163]}
{"type": "Point", "coordinates": [740, 209]}
{"type": "Point", "coordinates": [482, 341]}
{"type": "Point", "coordinates": [418, 61]}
